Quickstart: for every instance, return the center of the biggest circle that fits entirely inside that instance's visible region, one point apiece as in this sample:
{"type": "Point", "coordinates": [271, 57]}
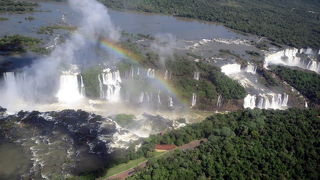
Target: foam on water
{"type": "Point", "coordinates": [266, 101]}
{"type": "Point", "coordinates": [290, 57]}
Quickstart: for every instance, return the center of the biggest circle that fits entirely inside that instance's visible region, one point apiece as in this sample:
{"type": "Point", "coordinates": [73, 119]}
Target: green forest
{"type": "Point", "coordinates": [291, 22]}
{"type": "Point", "coordinates": [16, 44]}
{"type": "Point", "coordinates": [16, 6]}
{"type": "Point", "coordinates": [306, 82]}
{"type": "Point", "coordinates": [251, 144]}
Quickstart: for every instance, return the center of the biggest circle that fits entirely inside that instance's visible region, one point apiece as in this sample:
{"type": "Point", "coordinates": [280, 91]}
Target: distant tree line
{"type": "Point", "coordinates": [17, 6]}
{"type": "Point", "coordinates": [291, 22]}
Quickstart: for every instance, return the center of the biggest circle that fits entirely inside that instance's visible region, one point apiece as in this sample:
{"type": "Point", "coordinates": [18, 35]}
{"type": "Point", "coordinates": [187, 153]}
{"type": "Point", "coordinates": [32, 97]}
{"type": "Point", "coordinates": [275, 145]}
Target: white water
{"type": "Point", "coordinates": [170, 102]}
{"type": "Point", "coordinates": [229, 69]}
{"type": "Point", "coordinates": [110, 85]}
{"type": "Point", "coordinates": [196, 76]}
{"type": "Point", "coordinates": [144, 97]}
{"type": "Point", "coordinates": [194, 99]}
{"type": "Point", "coordinates": [266, 101]}
{"type": "Point", "coordinates": [159, 98]}
{"type": "Point", "coordinates": [70, 91]}
{"type": "Point", "coordinates": [251, 69]}
{"type": "Point", "coordinates": [289, 57]}
{"type": "Point", "coordinates": [10, 97]}
{"type": "Point", "coordinates": [150, 73]}
{"type": "Point", "coordinates": [166, 75]}
{"type": "Point", "coordinates": [219, 101]}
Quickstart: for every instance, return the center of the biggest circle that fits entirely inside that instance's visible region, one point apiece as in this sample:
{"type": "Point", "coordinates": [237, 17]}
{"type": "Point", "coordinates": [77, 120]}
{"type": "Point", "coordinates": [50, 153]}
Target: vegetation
{"type": "Point", "coordinates": [125, 166]}
{"type": "Point", "coordinates": [268, 80]}
{"type": "Point", "coordinates": [29, 18]}
{"type": "Point", "coordinates": [91, 82]}
{"type": "Point", "coordinates": [253, 53]}
{"type": "Point", "coordinates": [3, 19]}
{"type": "Point", "coordinates": [50, 29]}
{"type": "Point", "coordinates": [210, 85]}
{"type": "Point", "coordinates": [20, 44]}
{"type": "Point", "coordinates": [274, 19]}
{"type": "Point", "coordinates": [307, 83]}
{"type": "Point", "coordinates": [16, 6]}
{"type": "Point", "coordinates": [124, 120]}
{"type": "Point", "coordinates": [254, 144]}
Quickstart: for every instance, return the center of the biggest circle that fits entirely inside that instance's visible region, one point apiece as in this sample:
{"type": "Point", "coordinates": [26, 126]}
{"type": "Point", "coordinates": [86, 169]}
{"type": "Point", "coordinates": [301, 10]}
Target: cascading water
{"type": "Point", "coordinates": [166, 75]}
{"type": "Point", "coordinates": [70, 90]}
{"type": "Point", "coordinates": [159, 98]}
{"type": "Point", "coordinates": [110, 85]}
{"type": "Point", "coordinates": [251, 69]}
{"type": "Point", "coordinates": [290, 57]}
{"type": "Point", "coordinates": [196, 76]}
{"type": "Point", "coordinates": [219, 101]}
{"type": "Point", "coordinates": [82, 87]}
{"type": "Point", "coordinates": [144, 97]}
{"type": "Point", "coordinates": [229, 69]}
{"type": "Point", "coordinates": [170, 102]}
{"type": "Point", "coordinates": [266, 101]}
{"type": "Point", "coordinates": [150, 73]}
{"type": "Point", "coordinates": [194, 99]}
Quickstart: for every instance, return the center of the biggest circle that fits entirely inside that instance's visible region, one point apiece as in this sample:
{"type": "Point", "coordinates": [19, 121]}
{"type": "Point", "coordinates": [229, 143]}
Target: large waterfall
{"type": "Point", "coordinates": [110, 85]}
{"type": "Point", "coordinates": [292, 57]}
{"type": "Point", "coordinates": [266, 101]}
{"type": "Point", "coordinates": [229, 69]}
{"type": "Point", "coordinates": [71, 88]}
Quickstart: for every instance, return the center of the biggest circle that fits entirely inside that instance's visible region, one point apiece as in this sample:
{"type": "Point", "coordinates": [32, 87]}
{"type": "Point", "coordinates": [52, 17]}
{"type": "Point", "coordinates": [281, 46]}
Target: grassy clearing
{"type": "Point", "coordinates": [131, 164]}
{"type": "Point", "coordinates": [123, 167]}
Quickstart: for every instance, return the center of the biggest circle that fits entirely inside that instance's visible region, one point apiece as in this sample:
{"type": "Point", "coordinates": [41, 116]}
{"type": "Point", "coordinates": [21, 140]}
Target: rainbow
{"type": "Point", "coordinates": [134, 58]}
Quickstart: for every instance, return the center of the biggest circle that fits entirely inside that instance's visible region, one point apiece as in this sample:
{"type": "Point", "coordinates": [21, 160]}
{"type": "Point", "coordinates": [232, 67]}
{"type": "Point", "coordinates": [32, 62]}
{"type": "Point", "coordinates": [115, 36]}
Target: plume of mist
{"type": "Point", "coordinates": [164, 45]}
{"type": "Point", "coordinates": [40, 81]}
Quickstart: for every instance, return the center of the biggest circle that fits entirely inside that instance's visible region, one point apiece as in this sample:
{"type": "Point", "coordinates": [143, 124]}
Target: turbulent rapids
{"type": "Point", "coordinates": [67, 138]}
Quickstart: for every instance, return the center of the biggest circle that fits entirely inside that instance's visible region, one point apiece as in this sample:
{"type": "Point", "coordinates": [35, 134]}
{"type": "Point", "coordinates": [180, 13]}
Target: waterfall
{"type": "Point", "coordinates": [251, 69]}
{"type": "Point", "coordinates": [250, 101]}
{"type": "Point", "coordinates": [70, 90]}
{"type": "Point", "coordinates": [144, 97]}
{"type": "Point", "coordinates": [219, 101]}
{"type": "Point", "coordinates": [150, 73]}
{"type": "Point", "coordinates": [141, 97]}
{"type": "Point", "coordinates": [196, 76]}
{"type": "Point", "coordinates": [229, 69]}
{"type": "Point", "coordinates": [132, 72]}
{"type": "Point", "coordinates": [170, 101]}
{"type": "Point", "coordinates": [266, 101]}
{"type": "Point", "coordinates": [11, 89]}
{"type": "Point", "coordinates": [306, 104]}
{"type": "Point", "coordinates": [110, 85]}
{"type": "Point", "coordinates": [166, 75]}
{"type": "Point", "coordinates": [82, 89]}
{"type": "Point", "coordinates": [194, 99]}
{"type": "Point", "coordinates": [290, 57]}
{"type": "Point", "coordinates": [159, 98]}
